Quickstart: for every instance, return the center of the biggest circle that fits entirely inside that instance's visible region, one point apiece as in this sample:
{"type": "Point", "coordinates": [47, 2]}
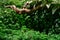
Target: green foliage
{"type": "Point", "coordinates": [25, 26]}
{"type": "Point", "coordinates": [26, 34]}
{"type": "Point", "coordinates": [23, 34]}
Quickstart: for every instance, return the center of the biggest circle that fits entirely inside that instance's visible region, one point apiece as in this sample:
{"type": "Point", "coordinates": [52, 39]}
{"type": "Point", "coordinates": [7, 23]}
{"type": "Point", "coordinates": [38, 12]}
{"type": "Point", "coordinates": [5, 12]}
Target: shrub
{"type": "Point", "coordinates": [43, 24]}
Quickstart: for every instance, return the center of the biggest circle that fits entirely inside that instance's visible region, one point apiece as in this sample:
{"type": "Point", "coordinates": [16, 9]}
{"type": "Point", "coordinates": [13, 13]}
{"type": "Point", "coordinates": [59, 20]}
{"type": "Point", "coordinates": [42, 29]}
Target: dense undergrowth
{"type": "Point", "coordinates": [44, 24]}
